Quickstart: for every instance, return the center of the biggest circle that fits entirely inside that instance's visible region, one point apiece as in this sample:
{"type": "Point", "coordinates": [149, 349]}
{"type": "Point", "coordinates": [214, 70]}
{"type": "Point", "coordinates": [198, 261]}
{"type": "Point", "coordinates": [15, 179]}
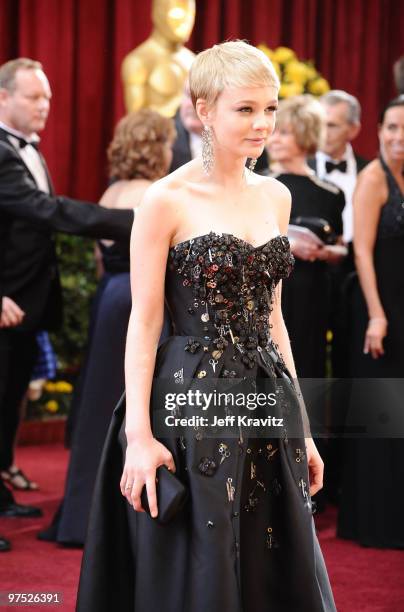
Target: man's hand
{"type": "Point", "coordinates": [11, 314]}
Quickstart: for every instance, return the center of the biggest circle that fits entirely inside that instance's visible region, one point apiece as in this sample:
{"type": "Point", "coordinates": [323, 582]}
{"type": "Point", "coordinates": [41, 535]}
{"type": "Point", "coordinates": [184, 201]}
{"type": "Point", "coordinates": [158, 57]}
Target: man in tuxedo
{"type": "Point", "coordinates": [29, 212]}
{"type": "Point", "coordinates": [336, 162]}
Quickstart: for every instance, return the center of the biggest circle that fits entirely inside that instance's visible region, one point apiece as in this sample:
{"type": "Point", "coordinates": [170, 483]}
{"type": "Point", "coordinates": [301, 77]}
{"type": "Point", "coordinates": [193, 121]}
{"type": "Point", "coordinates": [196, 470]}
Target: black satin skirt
{"type": "Point", "coordinates": [255, 549]}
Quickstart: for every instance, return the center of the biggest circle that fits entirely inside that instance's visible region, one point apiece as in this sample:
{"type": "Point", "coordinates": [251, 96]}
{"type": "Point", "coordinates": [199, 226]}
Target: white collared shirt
{"type": "Point", "coordinates": [29, 156]}
{"type": "Point", "coordinates": [346, 181]}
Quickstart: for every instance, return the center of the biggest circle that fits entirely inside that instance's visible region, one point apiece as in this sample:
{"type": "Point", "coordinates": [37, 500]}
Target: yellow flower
{"type": "Point", "coordinates": [265, 49]}
{"type": "Point", "coordinates": [288, 90]}
{"type": "Point", "coordinates": [50, 387]}
{"type": "Point", "coordinates": [63, 387]}
{"type": "Point", "coordinates": [296, 76]}
{"type": "Point", "coordinates": [318, 87]}
{"type": "Point", "coordinates": [311, 72]}
{"type": "Point", "coordinates": [296, 72]}
{"type": "Point", "coordinates": [283, 55]}
{"type": "Point", "coordinates": [52, 406]}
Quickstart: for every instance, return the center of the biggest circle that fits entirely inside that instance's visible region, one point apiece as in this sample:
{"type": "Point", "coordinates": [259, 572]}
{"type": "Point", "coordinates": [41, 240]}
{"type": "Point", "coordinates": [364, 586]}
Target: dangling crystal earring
{"type": "Point", "coordinates": [252, 164]}
{"type": "Point", "coordinates": [207, 149]}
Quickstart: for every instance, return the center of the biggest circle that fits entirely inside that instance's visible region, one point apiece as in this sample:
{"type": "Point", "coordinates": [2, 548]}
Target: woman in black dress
{"type": "Point", "coordinates": [210, 239]}
{"type": "Point", "coordinates": [306, 294]}
{"type": "Point", "coordinates": [372, 504]}
{"type": "Point", "coordinates": [139, 153]}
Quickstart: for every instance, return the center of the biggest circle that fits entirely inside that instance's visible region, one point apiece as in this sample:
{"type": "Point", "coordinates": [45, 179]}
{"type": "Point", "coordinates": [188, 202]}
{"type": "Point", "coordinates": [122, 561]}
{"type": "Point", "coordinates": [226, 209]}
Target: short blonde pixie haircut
{"type": "Point", "coordinates": [305, 116]}
{"type": "Point", "coordinates": [229, 64]}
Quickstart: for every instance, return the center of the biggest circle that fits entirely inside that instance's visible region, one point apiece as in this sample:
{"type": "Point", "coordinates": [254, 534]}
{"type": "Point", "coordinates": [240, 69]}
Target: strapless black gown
{"type": "Point", "coordinates": [253, 549]}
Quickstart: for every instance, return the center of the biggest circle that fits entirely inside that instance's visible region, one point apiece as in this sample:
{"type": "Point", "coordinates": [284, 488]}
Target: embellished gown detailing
{"type": "Point", "coordinates": [245, 540]}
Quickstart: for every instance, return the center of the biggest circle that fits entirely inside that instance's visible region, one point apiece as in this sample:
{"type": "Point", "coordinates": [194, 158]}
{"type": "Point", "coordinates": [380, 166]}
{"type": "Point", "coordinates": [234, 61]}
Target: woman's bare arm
{"type": "Point", "coordinates": [150, 243]}
{"type": "Point", "coordinates": [368, 199]}
{"type": "Point", "coordinates": [282, 200]}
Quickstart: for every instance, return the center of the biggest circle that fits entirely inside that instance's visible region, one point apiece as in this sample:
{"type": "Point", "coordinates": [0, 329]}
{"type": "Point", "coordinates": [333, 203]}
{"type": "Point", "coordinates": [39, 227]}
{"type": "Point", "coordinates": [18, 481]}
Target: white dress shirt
{"type": "Point", "coordinates": [346, 181]}
{"type": "Point", "coordinates": [29, 156]}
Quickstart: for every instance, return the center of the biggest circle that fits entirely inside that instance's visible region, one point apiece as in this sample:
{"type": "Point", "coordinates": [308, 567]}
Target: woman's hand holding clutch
{"type": "Point", "coordinates": [143, 456]}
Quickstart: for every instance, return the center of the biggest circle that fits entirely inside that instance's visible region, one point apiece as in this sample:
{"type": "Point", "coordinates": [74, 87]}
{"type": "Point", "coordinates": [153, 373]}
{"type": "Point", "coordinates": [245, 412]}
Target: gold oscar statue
{"type": "Point", "coordinates": [155, 72]}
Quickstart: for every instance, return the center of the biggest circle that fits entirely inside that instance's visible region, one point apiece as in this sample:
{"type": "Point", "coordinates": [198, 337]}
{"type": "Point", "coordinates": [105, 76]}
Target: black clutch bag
{"type": "Point", "coordinates": [320, 227]}
{"type": "Point", "coordinates": [171, 495]}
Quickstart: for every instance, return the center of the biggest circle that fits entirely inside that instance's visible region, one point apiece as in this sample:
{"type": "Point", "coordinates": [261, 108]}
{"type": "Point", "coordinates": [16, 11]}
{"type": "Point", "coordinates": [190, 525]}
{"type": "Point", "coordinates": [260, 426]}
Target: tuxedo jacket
{"type": "Point", "coordinates": [28, 217]}
{"type": "Point", "coordinates": [361, 162]}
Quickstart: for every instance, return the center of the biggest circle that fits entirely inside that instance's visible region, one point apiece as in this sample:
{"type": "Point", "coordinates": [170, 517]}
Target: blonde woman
{"type": "Point", "coordinates": [316, 205]}
{"type": "Point", "coordinates": [210, 238]}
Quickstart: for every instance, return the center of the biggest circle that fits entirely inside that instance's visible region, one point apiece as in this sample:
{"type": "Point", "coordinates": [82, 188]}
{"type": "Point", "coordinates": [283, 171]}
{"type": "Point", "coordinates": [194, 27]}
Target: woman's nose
{"type": "Point", "coordinates": [261, 125]}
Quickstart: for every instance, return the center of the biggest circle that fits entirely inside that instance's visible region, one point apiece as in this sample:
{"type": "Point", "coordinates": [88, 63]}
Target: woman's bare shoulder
{"type": "Point", "coordinates": [277, 200]}
{"type": "Point", "coordinates": [111, 194]}
{"type": "Point", "coordinates": [164, 192]}
{"type": "Point", "coordinates": [372, 182]}
{"type": "Point", "coordinates": [373, 173]}
{"type": "Point", "coordinates": [161, 205]}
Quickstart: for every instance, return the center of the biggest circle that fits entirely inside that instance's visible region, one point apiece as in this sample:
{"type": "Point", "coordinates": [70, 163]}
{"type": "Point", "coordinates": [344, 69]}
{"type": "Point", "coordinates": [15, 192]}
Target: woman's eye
{"type": "Point", "coordinates": [248, 109]}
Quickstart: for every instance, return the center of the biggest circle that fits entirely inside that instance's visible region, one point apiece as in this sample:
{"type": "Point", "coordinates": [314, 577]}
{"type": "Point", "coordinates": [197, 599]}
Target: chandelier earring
{"type": "Point", "coordinates": [252, 164]}
{"type": "Point", "coordinates": [207, 149]}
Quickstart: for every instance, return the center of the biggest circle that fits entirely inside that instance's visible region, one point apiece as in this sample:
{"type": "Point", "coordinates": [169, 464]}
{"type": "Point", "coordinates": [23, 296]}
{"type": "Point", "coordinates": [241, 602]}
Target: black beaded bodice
{"type": "Point", "coordinates": [227, 287]}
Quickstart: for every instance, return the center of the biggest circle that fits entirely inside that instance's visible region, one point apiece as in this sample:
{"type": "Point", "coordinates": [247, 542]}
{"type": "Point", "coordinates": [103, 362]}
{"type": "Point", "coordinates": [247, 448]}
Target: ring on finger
{"type": "Point", "coordinates": [129, 486]}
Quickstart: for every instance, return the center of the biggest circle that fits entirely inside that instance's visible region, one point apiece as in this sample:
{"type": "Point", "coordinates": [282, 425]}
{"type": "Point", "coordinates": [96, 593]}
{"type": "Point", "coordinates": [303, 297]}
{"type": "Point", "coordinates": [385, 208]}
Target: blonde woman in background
{"type": "Point", "coordinates": [317, 206]}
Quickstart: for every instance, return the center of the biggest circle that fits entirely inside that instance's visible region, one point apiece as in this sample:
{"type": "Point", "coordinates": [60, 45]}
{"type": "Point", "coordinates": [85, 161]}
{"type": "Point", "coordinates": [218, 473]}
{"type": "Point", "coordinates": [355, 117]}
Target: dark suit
{"type": "Point", "coordinates": [181, 149]}
{"type": "Point", "coordinates": [29, 274]}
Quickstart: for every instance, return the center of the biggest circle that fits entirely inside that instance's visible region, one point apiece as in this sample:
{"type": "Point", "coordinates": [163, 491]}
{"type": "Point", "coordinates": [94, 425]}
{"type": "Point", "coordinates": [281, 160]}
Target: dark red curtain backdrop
{"type": "Point", "coordinates": [81, 44]}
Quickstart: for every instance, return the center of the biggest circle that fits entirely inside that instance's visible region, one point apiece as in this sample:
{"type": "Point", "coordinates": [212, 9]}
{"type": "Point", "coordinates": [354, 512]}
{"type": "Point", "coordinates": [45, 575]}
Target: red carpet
{"type": "Point", "coordinates": [364, 580]}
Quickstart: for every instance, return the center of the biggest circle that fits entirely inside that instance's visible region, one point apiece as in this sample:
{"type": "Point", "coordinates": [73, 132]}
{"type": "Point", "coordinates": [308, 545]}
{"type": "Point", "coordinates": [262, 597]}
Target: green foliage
{"type": "Point", "coordinates": [78, 278]}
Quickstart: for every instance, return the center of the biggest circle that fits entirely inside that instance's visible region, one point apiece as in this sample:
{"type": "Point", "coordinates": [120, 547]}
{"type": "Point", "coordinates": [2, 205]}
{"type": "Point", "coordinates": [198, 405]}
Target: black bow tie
{"type": "Point", "coordinates": [23, 142]}
{"type": "Point", "coordinates": [330, 166]}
